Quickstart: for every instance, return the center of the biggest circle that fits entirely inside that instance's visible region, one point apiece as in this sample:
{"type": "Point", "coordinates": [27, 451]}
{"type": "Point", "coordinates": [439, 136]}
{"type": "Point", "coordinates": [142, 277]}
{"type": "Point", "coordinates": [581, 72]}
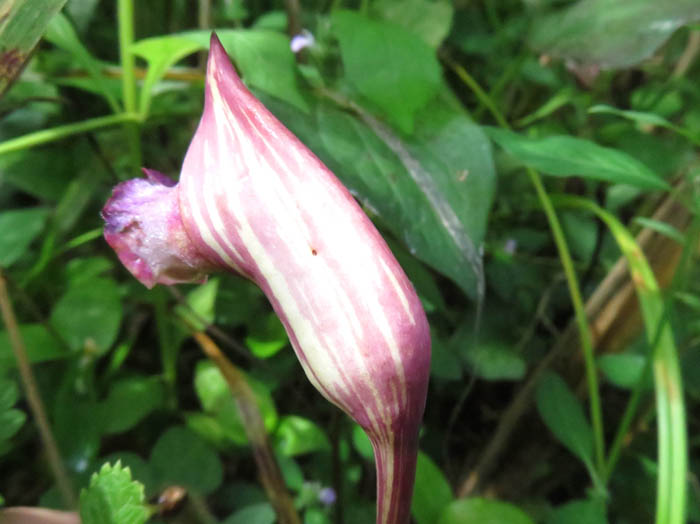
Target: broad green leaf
{"type": "Point", "coordinates": [264, 59]}
{"type": "Point", "coordinates": [22, 22]}
{"type": "Point", "coordinates": [216, 399]}
{"type": "Point", "coordinates": [61, 34]}
{"type": "Point", "coordinates": [113, 498]}
{"type": "Point", "coordinates": [483, 511]}
{"type": "Point", "coordinates": [161, 53]}
{"type": "Point", "coordinates": [255, 514]}
{"type": "Point", "coordinates": [623, 370]}
{"type": "Point", "coordinates": [40, 344]}
{"type": "Point", "coordinates": [89, 313]}
{"type": "Point", "coordinates": [431, 493]}
{"type": "Point", "coordinates": [180, 457]}
{"type": "Point", "coordinates": [18, 228]}
{"type": "Point", "coordinates": [297, 436]}
{"type": "Point", "coordinates": [427, 19]}
{"type": "Point", "coordinates": [563, 414]}
{"type": "Point", "coordinates": [9, 393]}
{"type": "Point", "coordinates": [579, 512]}
{"type": "Point", "coordinates": [390, 66]}
{"type": "Point", "coordinates": [129, 401]}
{"type": "Point", "coordinates": [611, 34]}
{"type": "Point", "coordinates": [433, 191]}
{"type": "Point", "coordinates": [570, 156]}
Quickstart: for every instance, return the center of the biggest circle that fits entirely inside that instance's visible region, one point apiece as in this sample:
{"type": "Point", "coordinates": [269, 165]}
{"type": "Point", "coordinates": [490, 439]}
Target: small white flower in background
{"type": "Point", "coordinates": [301, 41]}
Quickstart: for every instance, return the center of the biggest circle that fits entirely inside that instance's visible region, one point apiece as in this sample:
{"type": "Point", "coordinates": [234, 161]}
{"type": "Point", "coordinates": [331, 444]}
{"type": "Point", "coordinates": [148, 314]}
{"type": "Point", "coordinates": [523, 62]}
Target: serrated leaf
{"type": "Point", "coordinates": [563, 414]}
{"type": "Point", "coordinates": [562, 155]}
{"type": "Point", "coordinates": [113, 498]}
{"type": "Point", "coordinates": [483, 511]}
{"type": "Point", "coordinates": [431, 493]}
{"type": "Point", "coordinates": [389, 65]}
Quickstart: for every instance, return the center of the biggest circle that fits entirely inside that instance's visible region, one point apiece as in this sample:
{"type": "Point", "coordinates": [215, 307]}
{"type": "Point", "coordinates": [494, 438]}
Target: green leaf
{"type": "Point", "coordinates": [89, 313]}
{"type": "Point", "coordinates": [40, 344]}
{"type": "Point", "coordinates": [18, 228]}
{"type": "Point", "coordinates": [113, 498]}
{"type": "Point", "coordinates": [129, 401]}
{"type": "Point", "coordinates": [431, 493]}
{"type": "Point", "coordinates": [483, 511]}
{"type": "Point", "coordinates": [161, 53]}
{"type": "Point", "coordinates": [22, 22]}
{"type": "Point", "coordinates": [663, 228]}
{"type": "Point", "coordinates": [623, 370]}
{"type": "Point", "coordinates": [494, 360]}
{"type": "Point", "coordinates": [611, 34]}
{"type": "Point", "coordinates": [199, 313]}
{"type": "Point", "coordinates": [61, 34]}
{"type": "Point", "coordinates": [579, 512]}
{"type": "Point", "coordinates": [11, 420]}
{"type": "Point", "coordinates": [644, 118]}
{"type": "Point", "coordinates": [429, 20]}
{"type": "Point", "coordinates": [267, 336]}
{"type": "Point", "coordinates": [255, 514]}
{"type": "Point", "coordinates": [390, 66]}
{"type": "Point", "coordinates": [444, 362]}
{"type": "Point", "coordinates": [180, 457]}
{"type": "Point", "coordinates": [361, 442]}
{"type": "Point", "coordinates": [297, 436]}
{"type": "Point", "coordinates": [561, 411]}
{"type": "Point", "coordinates": [570, 156]}
{"type": "Point", "coordinates": [9, 393]}
{"type": "Point", "coordinates": [264, 59]}
{"type": "Point", "coordinates": [216, 399]}
{"type": "Point", "coordinates": [434, 191]}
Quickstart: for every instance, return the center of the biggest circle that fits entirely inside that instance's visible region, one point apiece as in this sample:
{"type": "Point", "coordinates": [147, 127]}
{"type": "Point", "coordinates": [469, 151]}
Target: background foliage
{"type": "Point", "coordinates": [515, 155]}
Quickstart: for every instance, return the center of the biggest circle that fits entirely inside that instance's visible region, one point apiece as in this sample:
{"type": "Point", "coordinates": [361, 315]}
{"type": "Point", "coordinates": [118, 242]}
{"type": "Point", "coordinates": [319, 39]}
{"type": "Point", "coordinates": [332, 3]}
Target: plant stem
{"type": "Point", "coordinates": [34, 398]}
{"type": "Point", "coordinates": [125, 15]}
{"type": "Point", "coordinates": [396, 470]}
{"type": "Point", "coordinates": [270, 474]}
{"type": "Point", "coordinates": [57, 133]}
{"type": "Point", "coordinates": [569, 271]}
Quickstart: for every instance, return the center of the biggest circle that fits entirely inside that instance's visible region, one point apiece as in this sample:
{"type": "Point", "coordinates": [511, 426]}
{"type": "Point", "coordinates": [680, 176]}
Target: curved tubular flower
{"type": "Point", "coordinates": [254, 200]}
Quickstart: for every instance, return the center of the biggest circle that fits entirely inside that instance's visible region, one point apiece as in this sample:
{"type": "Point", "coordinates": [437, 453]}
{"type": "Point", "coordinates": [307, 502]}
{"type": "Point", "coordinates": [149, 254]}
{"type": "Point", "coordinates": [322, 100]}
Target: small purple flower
{"type": "Point", "coordinates": [327, 496]}
{"type": "Point", "coordinates": [301, 41]}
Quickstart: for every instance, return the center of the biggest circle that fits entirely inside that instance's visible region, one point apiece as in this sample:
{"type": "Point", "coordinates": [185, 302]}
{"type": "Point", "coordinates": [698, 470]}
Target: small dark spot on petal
{"type": "Point", "coordinates": [314, 252]}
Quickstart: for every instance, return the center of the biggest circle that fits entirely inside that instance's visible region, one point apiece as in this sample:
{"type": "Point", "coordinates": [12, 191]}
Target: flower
{"type": "Point", "coordinates": [254, 200]}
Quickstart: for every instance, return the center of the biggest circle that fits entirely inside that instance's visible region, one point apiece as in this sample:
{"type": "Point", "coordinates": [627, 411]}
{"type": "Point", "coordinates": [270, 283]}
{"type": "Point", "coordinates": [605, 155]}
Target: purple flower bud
{"type": "Point", "coordinates": [254, 200]}
{"type": "Point", "coordinates": [301, 41]}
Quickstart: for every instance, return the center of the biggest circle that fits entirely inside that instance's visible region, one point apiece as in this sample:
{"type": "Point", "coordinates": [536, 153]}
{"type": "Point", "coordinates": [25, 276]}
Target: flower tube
{"type": "Point", "coordinates": [252, 199]}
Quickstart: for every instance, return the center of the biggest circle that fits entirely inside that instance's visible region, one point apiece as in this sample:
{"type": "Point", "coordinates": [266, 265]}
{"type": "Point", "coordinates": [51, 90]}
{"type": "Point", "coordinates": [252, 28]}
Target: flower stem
{"type": "Point", "coordinates": [268, 469]}
{"type": "Point", "coordinates": [396, 470]}
{"type": "Point", "coordinates": [57, 133]}
{"type": "Point", "coordinates": [34, 398]}
{"type": "Point", "coordinates": [125, 15]}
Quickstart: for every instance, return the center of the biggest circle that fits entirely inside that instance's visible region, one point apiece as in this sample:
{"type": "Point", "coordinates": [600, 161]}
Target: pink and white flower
{"type": "Point", "coordinates": [252, 199]}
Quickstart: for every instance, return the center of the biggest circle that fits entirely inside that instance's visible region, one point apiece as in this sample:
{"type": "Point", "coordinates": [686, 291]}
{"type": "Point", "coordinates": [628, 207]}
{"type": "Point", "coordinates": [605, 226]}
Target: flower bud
{"type": "Point", "coordinates": [252, 199]}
